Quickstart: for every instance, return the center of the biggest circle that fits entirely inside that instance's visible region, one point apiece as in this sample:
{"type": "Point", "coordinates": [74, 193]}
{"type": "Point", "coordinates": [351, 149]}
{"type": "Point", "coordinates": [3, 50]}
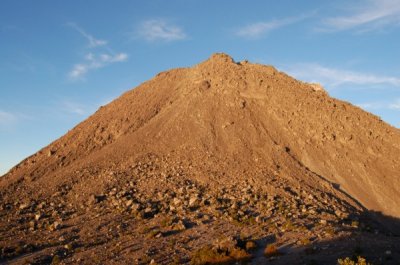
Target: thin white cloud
{"type": "Point", "coordinates": [395, 105]}
{"type": "Point", "coordinates": [160, 29]}
{"type": "Point", "coordinates": [259, 29]}
{"type": "Point", "coordinates": [6, 118]}
{"type": "Point", "coordinates": [332, 77]}
{"type": "Point", "coordinates": [371, 105]}
{"type": "Point", "coordinates": [93, 42]}
{"type": "Point", "coordinates": [74, 108]}
{"type": "Point", "coordinates": [381, 105]}
{"type": "Point", "coordinates": [93, 61]}
{"type": "Point", "coordinates": [370, 15]}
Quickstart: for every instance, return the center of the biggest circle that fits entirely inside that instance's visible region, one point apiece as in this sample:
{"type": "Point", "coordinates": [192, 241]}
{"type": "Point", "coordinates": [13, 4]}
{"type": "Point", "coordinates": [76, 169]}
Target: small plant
{"type": "Point", "coordinates": [167, 221]}
{"type": "Point", "coordinates": [355, 224]}
{"type": "Point", "coordinates": [330, 231]}
{"type": "Point", "coordinates": [153, 233]}
{"type": "Point", "coordinates": [289, 226]}
{"type": "Point", "coordinates": [250, 245]}
{"type": "Point", "coordinates": [271, 250]}
{"type": "Point", "coordinates": [305, 241]}
{"type": "Point", "coordinates": [146, 229]}
{"type": "Point", "coordinates": [358, 261]}
{"type": "Point", "coordinates": [238, 254]}
{"type": "Point", "coordinates": [210, 255]}
{"type": "Point", "coordinates": [176, 260]}
{"type": "Point", "coordinates": [55, 260]}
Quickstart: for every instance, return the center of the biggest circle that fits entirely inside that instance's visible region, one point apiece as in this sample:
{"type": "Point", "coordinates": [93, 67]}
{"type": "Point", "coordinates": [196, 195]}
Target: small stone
{"type": "Point", "coordinates": [54, 226]}
{"type": "Point", "coordinates": [24, 206]}
{"type": "Point", "coordinates": [193, 201]}
{"type": "Point", "coordinates": [128, 203]}
{"type": "Point", "coordinates": [135, 206]}
{"type": "Point", "coordinates": [32, 225]}
{"type": "Point", "coordinates": [177, 201]}
{"type": "Point", "coordinates": [338, 213]}
{"type": "Point", "coordinates": [38, 216]}
{"type": "Point", "coordinates": [180, 225]}
{"type": "Point", "coordinates": [323, 222]}
{"type": "Point", "coordinates": [97, 198]}
{"type": "Point", "coordinates": [68, 246]}
{"type": "Point", "coordinates": [388, 252]}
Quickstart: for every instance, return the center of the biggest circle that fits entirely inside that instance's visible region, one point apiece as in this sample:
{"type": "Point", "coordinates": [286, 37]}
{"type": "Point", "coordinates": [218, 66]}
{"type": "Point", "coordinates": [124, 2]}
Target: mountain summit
{"type": "Point", "coordinates": [197, 153]}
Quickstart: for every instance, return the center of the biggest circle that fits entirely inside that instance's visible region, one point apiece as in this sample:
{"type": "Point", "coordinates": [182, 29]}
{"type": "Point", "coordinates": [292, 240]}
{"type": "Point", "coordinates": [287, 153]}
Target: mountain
{"type": "Point", "coordinates": [203, 161]}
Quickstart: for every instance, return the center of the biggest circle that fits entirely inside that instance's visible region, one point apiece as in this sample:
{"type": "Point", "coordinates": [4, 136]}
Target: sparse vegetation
{"type": "Point", "coordinates": [358, 261]}
{"type": "Point", "coordinates": [223, 250]}
{"type": "Point", "coordinates": [250, 245]}
{"type": "Point", "coordinates": [271, 250]}
{"type": "Point", "coordinates": [153, 233]}
{"type": "Point", "coordinates": [305, 241]}
{"type": "Point", "coordinates": [209, 255]}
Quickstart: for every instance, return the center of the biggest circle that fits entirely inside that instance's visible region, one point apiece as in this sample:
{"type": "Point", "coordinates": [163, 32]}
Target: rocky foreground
{"type": "Point", "coordinates": [155, 214]}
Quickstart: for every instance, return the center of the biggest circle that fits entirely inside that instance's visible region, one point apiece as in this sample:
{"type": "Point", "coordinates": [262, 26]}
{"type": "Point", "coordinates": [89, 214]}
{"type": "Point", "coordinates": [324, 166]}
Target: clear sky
{"type": "Point", "coordinates": [61, 60]}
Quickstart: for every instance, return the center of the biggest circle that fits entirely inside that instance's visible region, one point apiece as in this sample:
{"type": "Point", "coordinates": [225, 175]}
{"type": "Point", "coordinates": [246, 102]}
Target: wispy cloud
{"type": "Point", "coordinates": [10, 28]}
{"type": "Point", "coordinates": [259, 29]}
{"type": "Point", "coordinates": [371, 105]}
{"type": "Point", "coordinates": [6, 118]}
{"type": "Point", "coordinates": [369, 15]}
{"type": "Point", "coordinates": [93, 42]}
{"type": "Point", "coordinates": [395, 105]}
{"type": "Point", "coordinates": [335, 77]}
{"type": "Point", "coordinates": [381, 105]}
{"type": "Point", "coordinates": [9, 119]}
{"type": "Point", "coordinates": [160, 29]}
{"type": "Point", "coordinates": [74, 107]}
{"type": "Point", "coordinates": [93, 61]}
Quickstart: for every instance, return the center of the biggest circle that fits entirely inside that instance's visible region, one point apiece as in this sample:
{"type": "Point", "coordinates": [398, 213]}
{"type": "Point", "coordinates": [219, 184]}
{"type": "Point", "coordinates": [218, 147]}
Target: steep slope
{"type": "Point", "coordinates": [240, 113]}
{"type": "Point", "coordinates": [219, 126]}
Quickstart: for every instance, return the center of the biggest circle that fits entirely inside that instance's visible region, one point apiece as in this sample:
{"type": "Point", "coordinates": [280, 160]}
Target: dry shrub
{"type": "Point", "coordinates": [208, 255]}
{"type": "Point", "coordinates": [348, 261]}
{"type": "Point", "coordinates": [271, 250]}
{"type": "Point", "coordinates": [250, 245]}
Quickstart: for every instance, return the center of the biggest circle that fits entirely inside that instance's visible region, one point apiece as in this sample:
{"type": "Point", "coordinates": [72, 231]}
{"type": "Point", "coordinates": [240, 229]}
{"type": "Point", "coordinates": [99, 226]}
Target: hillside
{"type": "Point", "coordinates": [222, 153]}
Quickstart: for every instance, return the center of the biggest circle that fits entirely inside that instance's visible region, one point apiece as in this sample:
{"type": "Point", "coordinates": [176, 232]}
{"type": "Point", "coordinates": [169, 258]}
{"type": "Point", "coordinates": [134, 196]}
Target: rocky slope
{"type": "Point", "coordinates": [209, 160]}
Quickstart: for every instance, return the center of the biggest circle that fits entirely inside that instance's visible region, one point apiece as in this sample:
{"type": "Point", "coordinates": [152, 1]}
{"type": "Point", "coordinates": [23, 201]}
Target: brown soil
{"type": "Point", "coordinates": [222, 149]}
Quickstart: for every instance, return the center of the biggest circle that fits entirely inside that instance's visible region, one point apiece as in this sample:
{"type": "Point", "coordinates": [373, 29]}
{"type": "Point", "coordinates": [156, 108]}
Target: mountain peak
{"type": "Point", "coordinates": [220, 57]}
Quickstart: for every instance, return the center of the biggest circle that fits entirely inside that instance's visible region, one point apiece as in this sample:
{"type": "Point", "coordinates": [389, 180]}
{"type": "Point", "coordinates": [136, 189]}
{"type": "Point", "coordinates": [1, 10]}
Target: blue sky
{"type": "Point", "coordinates": [61, 60]}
